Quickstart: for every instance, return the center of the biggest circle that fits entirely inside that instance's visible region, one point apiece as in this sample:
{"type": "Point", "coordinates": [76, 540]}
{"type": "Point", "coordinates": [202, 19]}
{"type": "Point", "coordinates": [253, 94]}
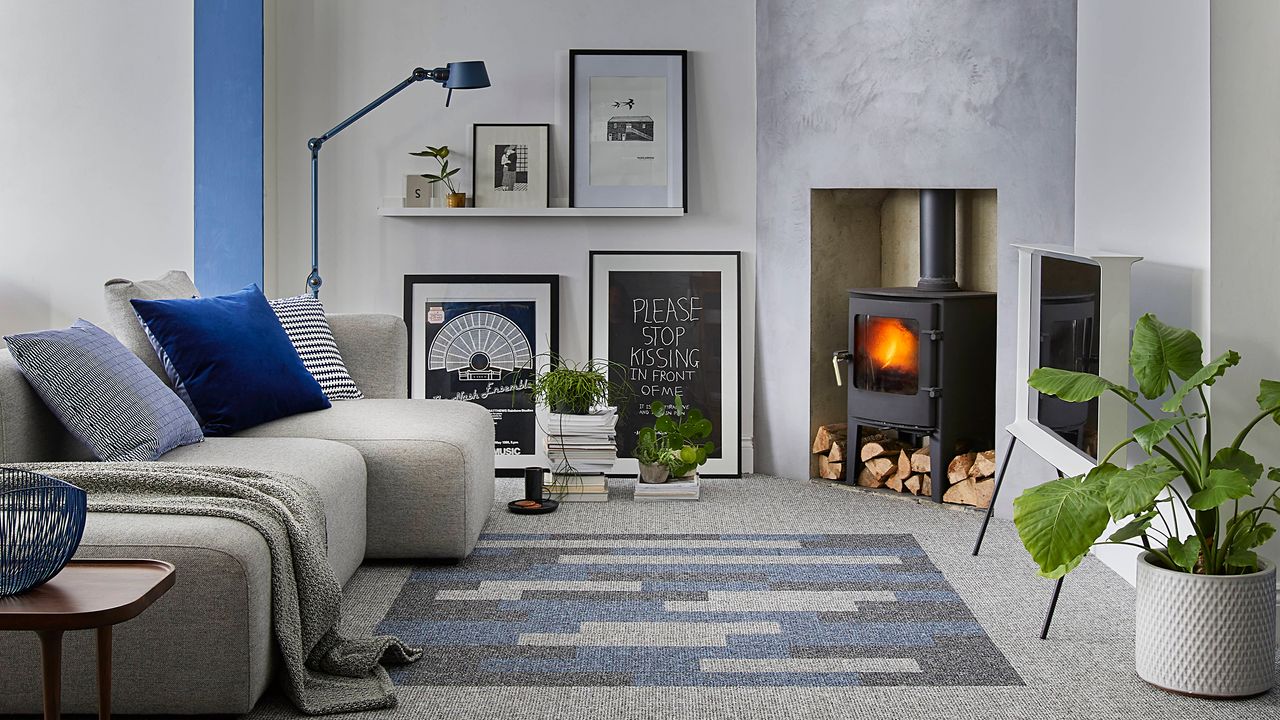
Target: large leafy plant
{"type": "Point", "coordinates": [675, 439]}
{"type": "Point", "coordinates": [1183, 473]}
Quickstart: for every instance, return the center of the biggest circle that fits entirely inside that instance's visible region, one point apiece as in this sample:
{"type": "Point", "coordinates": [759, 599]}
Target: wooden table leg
{"type": "Point", "coordinates": [51, 665]}
{"type": "Point", "coordinates": [104, 672]}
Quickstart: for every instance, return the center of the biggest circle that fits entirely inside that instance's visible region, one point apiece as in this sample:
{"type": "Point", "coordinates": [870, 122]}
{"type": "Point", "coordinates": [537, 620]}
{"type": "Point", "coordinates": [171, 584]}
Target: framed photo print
{"type": "Point", "coordinates": [671, 324]}
{"type": "Point", "coordinates": [510, 165]}
{"type": "Point", "coordinates": [480, 338]}
{"type": "Point", "coordinates": [627, 124]}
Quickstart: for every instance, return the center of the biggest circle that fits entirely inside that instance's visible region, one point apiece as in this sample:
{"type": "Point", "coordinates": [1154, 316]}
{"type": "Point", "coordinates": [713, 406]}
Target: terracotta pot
{"type": "Point", "coordinates": [456, 200]}
{"type": "Point", "coordinates": [653, 474]}
{"type": "Point", "coordinates": [1206, 635]}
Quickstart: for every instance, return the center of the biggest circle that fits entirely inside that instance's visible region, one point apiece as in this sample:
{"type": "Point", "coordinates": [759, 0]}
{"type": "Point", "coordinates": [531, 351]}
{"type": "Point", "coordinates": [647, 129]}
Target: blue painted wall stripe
{"type": "Point", "coordinates": [228, 145]}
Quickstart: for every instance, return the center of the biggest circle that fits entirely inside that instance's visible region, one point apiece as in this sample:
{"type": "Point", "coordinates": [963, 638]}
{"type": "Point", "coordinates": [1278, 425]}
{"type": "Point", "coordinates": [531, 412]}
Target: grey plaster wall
{"type": "Point", "coordinates": [902, 93]}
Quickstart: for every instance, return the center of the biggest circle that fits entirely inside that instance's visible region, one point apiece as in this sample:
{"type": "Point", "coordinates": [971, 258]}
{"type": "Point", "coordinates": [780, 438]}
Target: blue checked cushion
{"type": "Point", "coordinates": [104, 393]}
{"type": "Point", "coordinates": [303, 320]}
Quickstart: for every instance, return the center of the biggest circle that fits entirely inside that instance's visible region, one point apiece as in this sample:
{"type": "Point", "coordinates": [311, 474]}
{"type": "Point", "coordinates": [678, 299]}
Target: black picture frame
{"type": "Point", "coordinates": [500, 289]}
{"type": "Point", "coordinates": [476, 167]}
{"type": "Point", "coordinates": [576, 196]}
{"type": "Point", "coordinates": [600, 295]}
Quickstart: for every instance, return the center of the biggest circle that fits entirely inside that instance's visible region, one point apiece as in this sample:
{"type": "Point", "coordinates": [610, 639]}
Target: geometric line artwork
{"type": "Point", "coordinates": [685, 610]}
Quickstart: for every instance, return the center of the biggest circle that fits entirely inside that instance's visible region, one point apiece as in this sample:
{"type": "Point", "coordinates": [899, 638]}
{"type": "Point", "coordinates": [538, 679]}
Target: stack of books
{"type": "Point", "coordinates": [581, 449]}
{"type": "Point", "coordinates": [673, 489]}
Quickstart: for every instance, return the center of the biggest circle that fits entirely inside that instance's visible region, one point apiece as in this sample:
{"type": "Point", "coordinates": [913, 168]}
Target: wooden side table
{"type": "Point", "coordinates": [86, 594]}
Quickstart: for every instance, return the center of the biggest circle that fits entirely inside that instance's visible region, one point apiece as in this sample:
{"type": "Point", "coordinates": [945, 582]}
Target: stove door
{"type": "Point", "coordinates": [893, 370]}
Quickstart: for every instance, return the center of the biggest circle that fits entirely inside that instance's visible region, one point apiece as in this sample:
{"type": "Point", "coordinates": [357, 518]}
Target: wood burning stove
{"type": "Point", "coordinates": [922, 359]}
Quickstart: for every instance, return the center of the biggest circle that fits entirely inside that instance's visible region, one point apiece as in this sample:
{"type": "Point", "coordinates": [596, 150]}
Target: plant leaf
{"type": "Point", "coordinates": [1059, 520]}
{"type": "Point", "coordinates": [1134, 491]}
{"type": "Point", "coordinates": [1269, 397]}
{"type": "Point", "coordinates": [1185, 553]}
{"type": "Point", "coordinates": [453, 172]}
{"type": "Point", "coordinates": [1256, 536]}
{"type": "Point", "coordinates": [1220, 486]}
{"type": "Point", "coordinates": [1241, 558]}
{"type": "Point", "coordinates": [1153, 433]}
{"type": "Point", "coordinates": [1159, 350]}
{"type": "Point", "coordinates": [1136, 527]}
{"type": "Point", "coordinates": [1239, 460]}
{"type": "Point", "coordinates": [658, 409]}
{"type": "Point", "coordinates": [1073, 386]}
{"type": "Point", "coordinates": [1206, 375]}
{"type": "Point", "coordinates": [1274, 475]}
{"type": "Point", "coordinates": [432, 178]}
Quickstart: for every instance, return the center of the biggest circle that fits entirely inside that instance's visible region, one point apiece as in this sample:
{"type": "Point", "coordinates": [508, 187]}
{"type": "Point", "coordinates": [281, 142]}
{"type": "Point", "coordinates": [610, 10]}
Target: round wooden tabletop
{"type": "Point", "coordinates": [88, 593]}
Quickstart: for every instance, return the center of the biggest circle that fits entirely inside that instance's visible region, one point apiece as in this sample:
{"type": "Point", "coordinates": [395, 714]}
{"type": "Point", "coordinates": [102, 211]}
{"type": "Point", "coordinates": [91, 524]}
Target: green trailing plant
{"type": "Point", "coordinates": [1184, 473]}
{"type": "Point", "coordinates": [575, 388]}
{"type": "Point", "coordinates": [675, 439]}
{"type": "Point", "coordinates": [441, 155]}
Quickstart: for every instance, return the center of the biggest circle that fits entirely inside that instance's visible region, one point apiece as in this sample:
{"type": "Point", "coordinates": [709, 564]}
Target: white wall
{"type": "Point", "coordinates": [1142, 157]}
{"type": "Point", "coordinates": [96, 141]}
{"type": "Point", "coordinates": [330, 58]}
{"type": "Point", "coordinates": [1246, 216]}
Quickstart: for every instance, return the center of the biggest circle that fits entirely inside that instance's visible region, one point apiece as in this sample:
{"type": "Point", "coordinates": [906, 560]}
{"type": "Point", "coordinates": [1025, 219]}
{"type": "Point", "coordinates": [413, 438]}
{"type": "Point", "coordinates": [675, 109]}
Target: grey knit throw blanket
{"type": "Point", "coordinates": [325, 671]}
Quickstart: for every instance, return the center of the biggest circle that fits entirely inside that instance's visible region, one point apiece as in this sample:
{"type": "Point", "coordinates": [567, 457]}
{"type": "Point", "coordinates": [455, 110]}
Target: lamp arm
{"type": "Point", "coordinates": [314, 144]}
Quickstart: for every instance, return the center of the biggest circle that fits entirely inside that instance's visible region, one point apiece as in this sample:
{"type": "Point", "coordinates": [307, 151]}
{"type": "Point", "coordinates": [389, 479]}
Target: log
{"type": "Point", "coordinates": [971, 492]}
{"type": "Point", "coordinates": [903, 469]}
{"type": "Point", "coordinates": [876, 472]}
{"type": "Point", "coordinates": [926, 485]}
{"type": "Point", "coordinates": [830, 470]}
{"type": "Point", "coordinates": [922, 461]}
{"type": "Point", "coordinates": [838, 451]}
{"type": "Point", "coordinates": [914, 483]}
{"type": "Point", "coordinates": [880, 448]}
{"type": "Point", "coordinates": [894, 483]}
{"type": "Point", "coordinates": [958, 468]}
{"type": "Point", "coordinates": [827, 435]}
{"type": "Point", "coordinates": [984, 465]}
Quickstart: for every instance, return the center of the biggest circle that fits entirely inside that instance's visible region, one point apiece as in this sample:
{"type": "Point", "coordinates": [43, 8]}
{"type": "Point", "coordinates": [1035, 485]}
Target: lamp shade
{"type": "Point", "coordinates": [467, 75]}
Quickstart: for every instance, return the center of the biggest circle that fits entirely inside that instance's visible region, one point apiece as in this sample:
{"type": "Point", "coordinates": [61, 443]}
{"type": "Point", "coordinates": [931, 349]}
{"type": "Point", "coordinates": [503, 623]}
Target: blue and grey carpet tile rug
{"type": "Point", "coordinates": [692, 610]}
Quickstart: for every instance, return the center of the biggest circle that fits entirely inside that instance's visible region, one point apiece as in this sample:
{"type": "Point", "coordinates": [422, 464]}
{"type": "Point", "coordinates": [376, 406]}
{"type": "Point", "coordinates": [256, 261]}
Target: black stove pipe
{"type": "Point", "coordinates": [937, 240]}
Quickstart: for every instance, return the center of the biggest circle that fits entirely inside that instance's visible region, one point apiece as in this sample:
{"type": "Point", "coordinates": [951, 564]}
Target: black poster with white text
{"type": "Point", "coordinates": [665, 336]}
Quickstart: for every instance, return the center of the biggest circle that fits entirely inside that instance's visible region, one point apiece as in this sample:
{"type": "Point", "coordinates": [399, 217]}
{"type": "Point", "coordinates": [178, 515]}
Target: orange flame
{"type": "Point", "coordinates": [893, 346]}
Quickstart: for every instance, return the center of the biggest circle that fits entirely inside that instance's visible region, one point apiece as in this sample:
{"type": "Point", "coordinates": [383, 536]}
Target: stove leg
{"type": "Point", "coordinates": [1004, 466]}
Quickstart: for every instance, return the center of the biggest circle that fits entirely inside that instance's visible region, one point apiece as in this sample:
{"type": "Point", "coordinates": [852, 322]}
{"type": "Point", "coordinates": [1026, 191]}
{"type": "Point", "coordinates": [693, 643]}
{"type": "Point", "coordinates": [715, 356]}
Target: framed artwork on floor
{"type": "Point", "coordinates": [480, 339]}
{"type": "Point", "coordinates": [671, 323]}
{"type": "Point", "coordinates": [627, 126]}
{"type": "Point", "coordinates": [510, 164]}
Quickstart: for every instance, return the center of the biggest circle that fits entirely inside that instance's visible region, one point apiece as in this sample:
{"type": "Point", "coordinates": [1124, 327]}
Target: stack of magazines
{"type": "Point", "coordinates": [581, 449]}
{"type": "Point", "coordinates": [673, 489]}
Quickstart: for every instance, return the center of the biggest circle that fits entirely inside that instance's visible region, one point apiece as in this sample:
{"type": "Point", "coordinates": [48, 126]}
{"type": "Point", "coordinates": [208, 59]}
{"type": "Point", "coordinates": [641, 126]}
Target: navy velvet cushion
{"type": "Point", "coordinates": [231, 360]}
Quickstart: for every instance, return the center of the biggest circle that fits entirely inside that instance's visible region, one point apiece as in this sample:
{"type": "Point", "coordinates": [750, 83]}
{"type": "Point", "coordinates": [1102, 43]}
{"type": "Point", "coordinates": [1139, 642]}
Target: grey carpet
{"type": "Point", "coordinates": [1083, 670]}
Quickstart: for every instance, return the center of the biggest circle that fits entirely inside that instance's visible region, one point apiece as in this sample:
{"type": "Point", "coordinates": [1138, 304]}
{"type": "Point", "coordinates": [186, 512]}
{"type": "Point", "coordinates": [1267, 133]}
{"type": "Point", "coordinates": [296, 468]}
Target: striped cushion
{"type": "Point", "coordinates": [103, 393]}
{"type": "Point", "coordinates": [303, 320]}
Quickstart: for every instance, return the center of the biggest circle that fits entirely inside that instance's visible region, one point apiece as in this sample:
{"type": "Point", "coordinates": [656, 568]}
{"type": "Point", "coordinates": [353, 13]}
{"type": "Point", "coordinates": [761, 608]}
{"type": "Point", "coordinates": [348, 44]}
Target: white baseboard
{"type": "Point", "coordinates": [748, 455]}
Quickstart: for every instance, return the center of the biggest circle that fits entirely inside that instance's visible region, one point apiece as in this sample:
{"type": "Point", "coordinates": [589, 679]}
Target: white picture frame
{"type": "Point", "coordinates": [510, 165]}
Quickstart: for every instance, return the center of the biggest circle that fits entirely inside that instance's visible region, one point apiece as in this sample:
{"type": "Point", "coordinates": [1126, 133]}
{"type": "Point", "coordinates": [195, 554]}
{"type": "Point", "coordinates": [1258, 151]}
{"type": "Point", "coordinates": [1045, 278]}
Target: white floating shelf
{"type": "Point", "coordinates": [528, 212]}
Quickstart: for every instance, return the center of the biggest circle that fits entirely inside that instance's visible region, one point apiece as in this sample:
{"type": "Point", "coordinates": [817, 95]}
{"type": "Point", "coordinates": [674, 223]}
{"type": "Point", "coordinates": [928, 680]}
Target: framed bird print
{"type": "Point", "coordinates": [627, 125]}
{"type": "Point", "coordinates": [481, 339]}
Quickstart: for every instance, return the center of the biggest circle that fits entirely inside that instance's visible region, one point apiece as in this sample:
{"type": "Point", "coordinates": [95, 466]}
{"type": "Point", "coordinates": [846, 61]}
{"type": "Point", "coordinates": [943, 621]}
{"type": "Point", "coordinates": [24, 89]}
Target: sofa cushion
{"type": "Point", "coordinates": [303, 320]}
{"type": "Point", "coordinates": [231, 358]}
{"type": "Point", "coordinates": [430, 465]}
{"type": "Point", "coordinates": [336, 470]}
{"type": "Point", "coordinates": [124, 321]}
{"type": "Point", "coordinates": [29, 432]}
{"type": "Point", "coordinates": [103, 393]}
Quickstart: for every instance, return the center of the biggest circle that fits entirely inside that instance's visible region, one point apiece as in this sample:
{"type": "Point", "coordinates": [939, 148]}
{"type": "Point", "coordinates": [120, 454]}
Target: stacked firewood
{"type": "Point", "coordinates": [888, 462]}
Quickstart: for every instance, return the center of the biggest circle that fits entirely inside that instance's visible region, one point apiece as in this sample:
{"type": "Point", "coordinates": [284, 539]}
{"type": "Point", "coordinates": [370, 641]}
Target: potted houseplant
{"type": "Point", "coordinates": [1206, 603]}
{"type": "Point", "coordinates": [454, 199]}
{"type": "Point", "coordinates": [570, 388]}
{"type": "Point", "coordinates": [675, 442]}
{"type": "Point", "coordinates": [580, 440]}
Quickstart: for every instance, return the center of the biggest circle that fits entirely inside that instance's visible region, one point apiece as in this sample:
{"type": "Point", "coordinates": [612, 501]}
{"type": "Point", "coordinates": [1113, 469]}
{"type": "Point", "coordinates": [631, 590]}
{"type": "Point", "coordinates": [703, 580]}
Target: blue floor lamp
{"type": "Point", "coordinates": [455, 76]}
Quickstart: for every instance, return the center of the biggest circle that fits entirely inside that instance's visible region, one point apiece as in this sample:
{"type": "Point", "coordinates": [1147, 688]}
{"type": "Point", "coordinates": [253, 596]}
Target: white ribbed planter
{"type": "Point", "coordinates": [1209, 635]}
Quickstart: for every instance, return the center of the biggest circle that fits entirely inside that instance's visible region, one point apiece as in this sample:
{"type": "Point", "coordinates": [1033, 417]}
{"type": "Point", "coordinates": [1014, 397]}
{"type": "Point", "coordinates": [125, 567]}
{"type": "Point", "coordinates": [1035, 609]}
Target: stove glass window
{"type": "Point", "coordinates": [887, 354]}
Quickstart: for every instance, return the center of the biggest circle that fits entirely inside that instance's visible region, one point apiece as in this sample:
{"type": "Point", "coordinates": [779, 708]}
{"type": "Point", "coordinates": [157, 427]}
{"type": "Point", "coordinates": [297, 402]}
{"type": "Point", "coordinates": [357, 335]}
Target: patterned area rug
{"type": "Point", "coordinates": [692, 610]}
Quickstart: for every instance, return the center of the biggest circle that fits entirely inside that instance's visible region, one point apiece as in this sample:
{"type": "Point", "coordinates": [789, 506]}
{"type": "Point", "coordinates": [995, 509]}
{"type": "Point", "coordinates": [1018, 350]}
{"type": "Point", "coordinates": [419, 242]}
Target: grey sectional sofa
{"type": "Point", "coordinates": [400, 479]}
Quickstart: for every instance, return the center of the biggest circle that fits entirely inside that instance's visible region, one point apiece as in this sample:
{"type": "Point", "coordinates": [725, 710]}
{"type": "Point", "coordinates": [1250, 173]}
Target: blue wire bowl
{"type": "Point", "coordinates": [41, 523]}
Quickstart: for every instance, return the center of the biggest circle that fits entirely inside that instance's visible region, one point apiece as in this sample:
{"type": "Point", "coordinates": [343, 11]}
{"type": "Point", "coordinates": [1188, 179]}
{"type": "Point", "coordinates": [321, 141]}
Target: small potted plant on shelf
{"type": "Point", "coordinates": [1206, 603]}
{"type": "Point", "coordinates": [454, 199]}
{"type": "Point", "coordinates": [675, 442]}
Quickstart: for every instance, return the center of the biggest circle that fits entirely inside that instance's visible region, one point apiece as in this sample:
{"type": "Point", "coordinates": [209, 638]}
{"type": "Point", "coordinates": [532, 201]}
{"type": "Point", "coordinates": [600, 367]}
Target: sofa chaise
{"type": "Point", "coordinates": [400, 479]}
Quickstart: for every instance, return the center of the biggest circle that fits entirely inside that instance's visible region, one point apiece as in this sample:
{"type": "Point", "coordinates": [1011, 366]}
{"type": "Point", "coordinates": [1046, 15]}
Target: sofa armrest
{"type": "Point", "coordinates": [375, 349]}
